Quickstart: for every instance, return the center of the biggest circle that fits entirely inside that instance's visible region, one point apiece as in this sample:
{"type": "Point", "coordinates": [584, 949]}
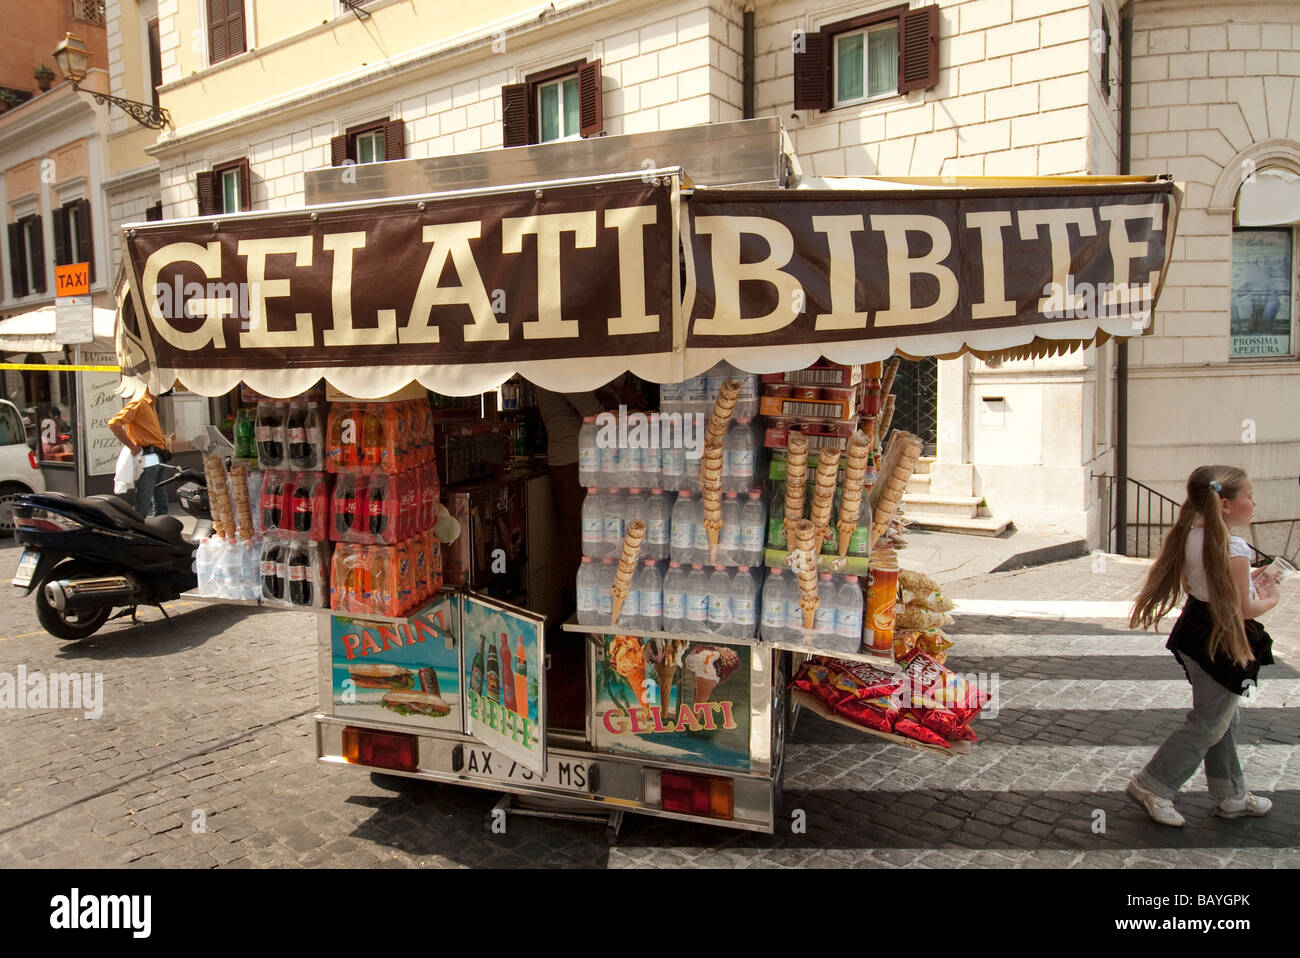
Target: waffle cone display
{"type": "Point", "coordinates": [887, 380]}
{"type": "Point", "coordinates": [627, 565]}
{"type": "Point", "coordinates": [906, 453]}
{"type": "Point", "coordinates": [223, 519]}
{"type": "Point", "coordinates": [828, 461]}
{"type": "Point", "coordinates": [887, 415]}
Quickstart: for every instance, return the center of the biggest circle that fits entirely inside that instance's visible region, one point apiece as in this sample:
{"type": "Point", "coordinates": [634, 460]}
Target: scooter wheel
{"type": "Point", "coordinates": [70, 627]}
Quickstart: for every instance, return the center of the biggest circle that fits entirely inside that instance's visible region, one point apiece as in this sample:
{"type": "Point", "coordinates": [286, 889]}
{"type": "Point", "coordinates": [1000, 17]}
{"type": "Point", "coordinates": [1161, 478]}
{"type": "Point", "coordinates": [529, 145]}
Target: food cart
{"type": "Point", "coordinates": [570, 264]}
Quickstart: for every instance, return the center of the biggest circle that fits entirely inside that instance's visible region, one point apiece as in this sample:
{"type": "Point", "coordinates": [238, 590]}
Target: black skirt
{"type": "Point", "coordinates": [1191, 638]}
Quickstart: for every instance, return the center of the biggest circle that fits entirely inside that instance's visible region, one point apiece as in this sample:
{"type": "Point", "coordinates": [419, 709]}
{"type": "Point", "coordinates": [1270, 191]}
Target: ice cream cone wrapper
{"type": "Point", "coordinates": [704, 688]}
{"type": "Point", "coordinates": [636, 679]}
{"type": "Point", "coordinates": [664, 674]}
{"type": "Point", "coordinates": [713, 527]}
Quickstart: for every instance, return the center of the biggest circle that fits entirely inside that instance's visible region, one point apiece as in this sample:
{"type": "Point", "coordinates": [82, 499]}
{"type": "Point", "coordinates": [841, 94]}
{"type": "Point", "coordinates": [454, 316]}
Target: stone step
{"type": "Point", "coordinates": [960, 507]}
{"type": "Point", "coordinates": [923, 465]}
{"type": "Point", "coordinates": [980, 526]}
{"type": "Point", "coordinates": [918, 485]}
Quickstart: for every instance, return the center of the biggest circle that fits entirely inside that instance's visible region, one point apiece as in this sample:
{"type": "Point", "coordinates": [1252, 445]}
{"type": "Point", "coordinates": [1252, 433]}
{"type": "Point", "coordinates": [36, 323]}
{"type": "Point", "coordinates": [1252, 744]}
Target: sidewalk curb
{"type": "Point", "coordinates": [1044, 556]}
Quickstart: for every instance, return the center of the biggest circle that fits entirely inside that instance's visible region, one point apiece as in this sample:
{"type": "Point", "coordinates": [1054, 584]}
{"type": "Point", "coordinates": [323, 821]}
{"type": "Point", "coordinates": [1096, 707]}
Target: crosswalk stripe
{"type": "Point", "coordinates": [1136, 643]}
{"type": "Point", "coordinates": [1038, 768]}
{"type": "Point", "coordinates": [1047, 608]}
{"type": "Point", "coordinates": [1095, 694]}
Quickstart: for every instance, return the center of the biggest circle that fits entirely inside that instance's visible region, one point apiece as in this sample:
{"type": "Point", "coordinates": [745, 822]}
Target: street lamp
{"type": "Point", "coordinates": [73, 59]}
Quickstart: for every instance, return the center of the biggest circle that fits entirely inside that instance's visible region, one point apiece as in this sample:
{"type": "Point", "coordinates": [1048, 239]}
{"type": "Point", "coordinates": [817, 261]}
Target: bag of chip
{"type": "Point", "coordinates": [877, 712]}
{"type": "Point", "coordinates": [934, 642]}
{"type": "Point", "coordinates": [919, 732]}
{"type": "Point", "coordinates": [916, 581]}
{"type": "Point", "coordinates": [941, 657]}
{"type": "Point", "coordinates": [916, 617]}
{"type": "Point", "coordinates": [860, 679]}
{"type": "Point", "coordinates": [904, 642]}
{"type": "Point", "coordinates": [934, 601]}
{"type": "Point", "coordinates": [930, 684]}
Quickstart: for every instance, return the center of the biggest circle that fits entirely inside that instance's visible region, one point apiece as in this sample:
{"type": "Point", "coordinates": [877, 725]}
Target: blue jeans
{"type": "Point", "coordinates": [148, 495]}
{"type": "Point", "coordinates": [1205, 736]}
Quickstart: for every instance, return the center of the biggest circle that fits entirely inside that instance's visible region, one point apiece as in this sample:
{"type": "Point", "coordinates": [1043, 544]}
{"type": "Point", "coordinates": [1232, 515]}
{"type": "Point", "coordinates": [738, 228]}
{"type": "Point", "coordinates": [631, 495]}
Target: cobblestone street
{"type": "Point", "coordinates": [209, 720]}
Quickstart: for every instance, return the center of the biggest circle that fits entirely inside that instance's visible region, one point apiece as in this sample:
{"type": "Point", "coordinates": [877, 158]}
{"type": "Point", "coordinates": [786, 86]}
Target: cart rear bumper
{"type": "Point", "coordinates": [606, 780]}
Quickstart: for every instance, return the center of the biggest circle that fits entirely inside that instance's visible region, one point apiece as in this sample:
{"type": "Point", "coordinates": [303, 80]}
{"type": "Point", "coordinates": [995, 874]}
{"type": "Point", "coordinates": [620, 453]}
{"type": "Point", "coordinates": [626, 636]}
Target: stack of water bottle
{"type": "Point", "coordinates": [697, 395]}
{"type": "Point", "coordinates": [228, 568]}
{"type": "Point", "coordinates": [838, 624]}
{"type": "Point", "coordinates": [691, 600]}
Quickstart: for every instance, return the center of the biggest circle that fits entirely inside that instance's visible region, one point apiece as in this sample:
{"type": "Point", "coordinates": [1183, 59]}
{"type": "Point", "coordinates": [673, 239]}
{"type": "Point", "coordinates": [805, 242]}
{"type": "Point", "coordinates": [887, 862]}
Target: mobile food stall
{"type": "Point", "coordinates": [765, 313]}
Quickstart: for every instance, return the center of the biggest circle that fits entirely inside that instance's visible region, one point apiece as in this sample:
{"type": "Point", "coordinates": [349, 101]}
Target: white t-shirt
{"type": "Point", "coordinates": [1194, 566]}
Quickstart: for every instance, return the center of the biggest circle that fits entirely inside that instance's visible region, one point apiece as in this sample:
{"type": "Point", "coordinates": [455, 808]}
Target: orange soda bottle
{"type": "Point", "coordinates": [371, 437]}
{"type": "Point", "coordinates": [405, 600]}
{"type": "Point", "coordinates": [358, 579]}
{"type": "Point", "coordinates": [339, 579]}
{"type": "Point", "coordinates": [420, 561]}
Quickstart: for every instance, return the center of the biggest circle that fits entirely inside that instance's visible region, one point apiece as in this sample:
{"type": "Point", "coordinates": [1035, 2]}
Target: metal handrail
{"type": "Point", "coordinates": [1117, 523]}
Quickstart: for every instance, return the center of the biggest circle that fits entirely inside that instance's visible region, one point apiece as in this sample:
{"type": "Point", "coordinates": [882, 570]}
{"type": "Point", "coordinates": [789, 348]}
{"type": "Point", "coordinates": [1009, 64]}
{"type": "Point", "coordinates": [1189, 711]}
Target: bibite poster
{"type": "Point", "coordinates": [673, 700]}
{"type": "Point", "coordinates": [402, 674]}
{"type": "Point", "coordinates": [503, 666]}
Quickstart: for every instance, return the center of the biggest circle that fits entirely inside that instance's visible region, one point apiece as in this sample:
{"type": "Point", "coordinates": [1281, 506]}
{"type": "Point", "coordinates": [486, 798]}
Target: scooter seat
{"type": "Point", "coordinates": [121, 505]}
{"type": "Point", "coordinates": [115, 508]}
{"type": "Point", "coordinates": [169, 527]}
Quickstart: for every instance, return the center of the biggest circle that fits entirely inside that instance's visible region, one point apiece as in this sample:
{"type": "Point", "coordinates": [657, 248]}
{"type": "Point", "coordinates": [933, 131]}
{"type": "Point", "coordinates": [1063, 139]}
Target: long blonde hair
{"type": "Point", "coordinates": [1164, 583]}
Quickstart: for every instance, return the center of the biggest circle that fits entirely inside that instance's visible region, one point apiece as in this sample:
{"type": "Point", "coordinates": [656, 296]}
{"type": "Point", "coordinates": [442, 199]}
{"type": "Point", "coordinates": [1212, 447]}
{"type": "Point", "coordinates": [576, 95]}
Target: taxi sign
{"type": "Point", "coordinates": [74, 321]}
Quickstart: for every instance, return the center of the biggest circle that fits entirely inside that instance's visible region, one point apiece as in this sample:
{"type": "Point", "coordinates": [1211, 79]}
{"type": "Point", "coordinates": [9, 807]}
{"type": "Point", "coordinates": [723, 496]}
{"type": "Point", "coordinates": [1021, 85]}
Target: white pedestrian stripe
{"type": "Point", "coordinates": [1048, 609]}
{"type": "Point", "coordinates": [1107, 693]}
{"type": "Point", "coordinates": [970, 644]}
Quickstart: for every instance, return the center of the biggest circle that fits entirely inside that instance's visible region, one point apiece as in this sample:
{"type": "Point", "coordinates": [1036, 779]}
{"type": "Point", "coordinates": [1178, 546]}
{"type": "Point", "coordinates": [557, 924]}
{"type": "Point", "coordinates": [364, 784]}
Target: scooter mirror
{"type": "Point", "coordinates": [211, 442]}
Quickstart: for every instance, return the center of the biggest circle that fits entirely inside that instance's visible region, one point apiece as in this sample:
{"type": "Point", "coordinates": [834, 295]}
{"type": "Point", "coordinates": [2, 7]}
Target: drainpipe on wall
{"type": "Point", "coordinates": [747, 67]}
{"type": "Point", "coordinates": [1121, 357]}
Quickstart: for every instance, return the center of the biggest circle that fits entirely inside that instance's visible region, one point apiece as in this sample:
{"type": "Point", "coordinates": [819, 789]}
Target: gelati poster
{"type": "Point", "coordinates": [503, 659]}
{"type": "Point", "coordinates": [673, 700]}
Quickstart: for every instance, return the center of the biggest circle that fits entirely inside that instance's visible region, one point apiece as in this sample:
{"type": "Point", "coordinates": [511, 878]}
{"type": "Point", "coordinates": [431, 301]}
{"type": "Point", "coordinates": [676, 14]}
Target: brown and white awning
{"type": "Point", "coordinates": [571, 283]}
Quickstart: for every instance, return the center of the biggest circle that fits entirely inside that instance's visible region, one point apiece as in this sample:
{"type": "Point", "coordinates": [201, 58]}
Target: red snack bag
{"type": "Point", "coordinates": [931, 685]}
{"type": "Point", "coordinates": [861, 679]}
{"type": "Point", "coordinates": [876, 713]}
{"type": "Point", "coordinates": [911, 729]}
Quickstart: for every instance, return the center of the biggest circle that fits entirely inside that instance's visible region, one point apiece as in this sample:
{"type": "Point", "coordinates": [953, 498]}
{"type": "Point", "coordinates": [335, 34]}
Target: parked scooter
{"type": "Point", "coordinates": [85, 557]}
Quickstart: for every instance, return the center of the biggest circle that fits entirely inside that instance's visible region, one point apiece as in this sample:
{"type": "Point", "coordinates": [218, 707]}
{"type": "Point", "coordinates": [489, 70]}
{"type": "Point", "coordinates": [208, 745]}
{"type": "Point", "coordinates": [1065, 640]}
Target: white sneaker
{"type": "Point", "coordinates": [1160, 809]}
{"type": "Point", "coordinates": [1247, 804]}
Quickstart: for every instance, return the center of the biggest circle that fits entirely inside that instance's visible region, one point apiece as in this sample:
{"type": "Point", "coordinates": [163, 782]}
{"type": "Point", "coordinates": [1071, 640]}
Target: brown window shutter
{"type": "Point", "coordinates": [154, 213]}
{"type": "Point", "coordinates": [395, 140]}
{"type": "Point", "coordinates": [812, 73]}
{"type": "Point", "coordinates": [1105, 56]}
{"type": "Point", "coordinates": [515, 114]}
{"type": "Point", "coordinates": [37, 238]}
{"type": "Point", "coordinates": [17, 264]}
{"type": "Point", "coordinates": [235, 41]}
{"type": "Point", "coordinates": [591, 118]}
{"type": "Point", "coordinates": [61, 236]}
{"type": "Point", "coordinates": [206, 187]}
{"type": "Point", "coordinates": [218, 48]}
{"type": "Point", "coordinates": [918, 45]}
{"type": "Point", "coordinates": [85, 238]}
{"type": "Point", "coordinates": [245, 186]}
{"type": "Point", "coordinates": [338, 150]}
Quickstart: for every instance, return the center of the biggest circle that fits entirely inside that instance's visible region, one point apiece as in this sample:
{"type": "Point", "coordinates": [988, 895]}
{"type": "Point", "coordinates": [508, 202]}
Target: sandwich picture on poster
{"type": "Point", "coordinates": [400, 673]}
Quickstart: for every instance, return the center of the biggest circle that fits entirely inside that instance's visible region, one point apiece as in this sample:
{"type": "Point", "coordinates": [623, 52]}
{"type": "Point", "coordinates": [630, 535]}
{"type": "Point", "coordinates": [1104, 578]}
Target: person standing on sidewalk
{"type": "Point", "coordinates": [1216, 640]}
{"type": "Point", "coordinates": [136, 426]}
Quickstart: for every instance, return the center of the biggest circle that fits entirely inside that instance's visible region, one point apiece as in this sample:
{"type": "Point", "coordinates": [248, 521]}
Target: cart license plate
{"type": "Point", "coordinates": [564, 773]}
{"type": "Point", "coordinates": [27, 567]}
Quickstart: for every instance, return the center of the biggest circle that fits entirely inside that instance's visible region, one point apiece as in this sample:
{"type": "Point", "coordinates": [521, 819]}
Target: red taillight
{"type": "Point", "coordinates": [46, 520]}
{"type": "Point", "coordinates": [381, 749]}
{"type": "Point", "coordinates": [696, 794]}
{"type": "Point", "coordinates": [31, 457]}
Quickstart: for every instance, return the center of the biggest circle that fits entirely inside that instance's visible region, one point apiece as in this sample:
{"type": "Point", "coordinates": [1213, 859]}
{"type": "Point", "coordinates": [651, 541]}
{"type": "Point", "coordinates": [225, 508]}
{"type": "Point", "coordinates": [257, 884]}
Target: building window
{"type": "Point", "coordinates": [1263, 291]}
{"type": "Point", "coordinates": [154, 213]}
{"type": "Point", "coordinates": [26, 256]}
{"type": "Point", "coordinates": [370, 143]}
{"type": "Point", "coordinates": [1103, 44]}
{"type": "Point", "coordinates": [225, 29]}
{"type": "Point", "coordinates": [73, 241]}
{"type": "Point", "coordinates": [155, 58]}
{"type": "Point", "coordinates": [562, 103]}
{"type": "Point", "coordinates": [226, 189]}
{"type": "Point", "coordinates": [876, 55]}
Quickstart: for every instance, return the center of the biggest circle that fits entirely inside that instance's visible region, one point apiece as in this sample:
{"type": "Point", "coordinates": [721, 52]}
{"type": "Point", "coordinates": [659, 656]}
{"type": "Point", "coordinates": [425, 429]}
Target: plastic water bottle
{"type": "Point", "coordinates": [774, 598]}
{"type": "Point", "coordinates": [738, 455]}
{"type": "Point", "coordinates": [615, 523]}
{"type": "Point", "coordinates": [629, 617]}
{"type": "Point", "coordinates": [252, 564]}
{"type": "Point", "coordinates": [848, 616]}
{"type": "Point", "coordinates": [203, 566]}
{"type": "Point", "coordinates": [697, 600]}
{"type": "Point", "coordinates": [650, 586]}
{"type": "Point", "coordinates": [729, 537]}
{"type": "Point", "coordinates": [744, 604]}
{"type": "Point", "coordinates": [674, 605]}
{"type": "Point", "coordinates": [652, 461]}
{"type": "Point", "coordinates": [673, 457]}
{"type": "Point", "coordinates": [632, 465]}
{"type": "Point", "coordinates": [753, 529]}
{"type": "Point", "coordinates": [682, 533]}
{"type": "Point", "coordinates": [699, 535]}
{"type": "Point", "coordinates": [588, 605]}
{"type": "Point", "coordinates": [658, 522]}
{"type": "Point", "coordinates": [588, 454]}
{"type": "Point", "coordinates": [593, 525]}
{"type": "Point", "coordinates": [604, 590]}
{"type": "Point", "coordinates": [720, 620]}
{"type": "Point", "coordinates": [776, 521]}
{"type": "Point", "coordinates": [606, 461]}
{"type": "Point", "coordinates": [634, 508]}
{"type": "Point", "coordinates": [794, 630]}
{"type": "Point", "coordinates": [827, 611]}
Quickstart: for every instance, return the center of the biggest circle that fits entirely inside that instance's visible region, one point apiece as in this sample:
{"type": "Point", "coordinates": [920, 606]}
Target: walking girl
{"type": "Point", "coordinates": [1216, 640]}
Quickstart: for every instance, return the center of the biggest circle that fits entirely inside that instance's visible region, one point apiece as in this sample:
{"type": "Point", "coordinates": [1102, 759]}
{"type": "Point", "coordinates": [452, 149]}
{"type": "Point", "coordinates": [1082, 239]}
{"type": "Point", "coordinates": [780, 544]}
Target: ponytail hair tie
{"type": "Point", "coordinates": [1214, 484]}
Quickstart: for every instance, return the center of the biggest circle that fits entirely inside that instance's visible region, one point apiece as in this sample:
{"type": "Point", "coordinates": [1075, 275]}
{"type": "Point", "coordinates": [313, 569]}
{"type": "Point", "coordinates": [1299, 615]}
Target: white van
{"type": "Point", "coordinates": [19, 471]}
